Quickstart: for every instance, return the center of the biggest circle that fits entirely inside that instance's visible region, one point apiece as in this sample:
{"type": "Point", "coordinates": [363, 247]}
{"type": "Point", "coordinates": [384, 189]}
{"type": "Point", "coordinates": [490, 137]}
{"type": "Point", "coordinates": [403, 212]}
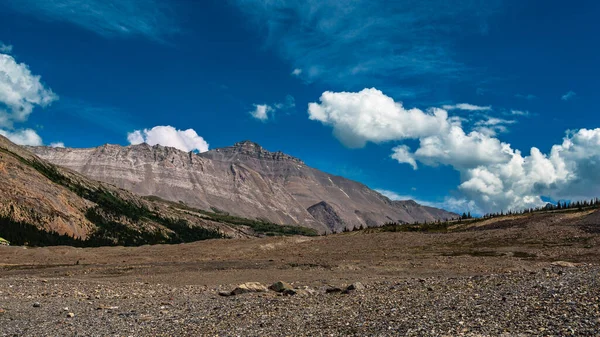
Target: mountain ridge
{"type": "Point", "coordinates": [243, 179]}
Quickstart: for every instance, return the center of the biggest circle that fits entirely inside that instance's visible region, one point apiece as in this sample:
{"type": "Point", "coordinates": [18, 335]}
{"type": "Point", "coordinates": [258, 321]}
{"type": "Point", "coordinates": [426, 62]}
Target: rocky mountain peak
{"type": "Point", "coordinates": [250, 149]}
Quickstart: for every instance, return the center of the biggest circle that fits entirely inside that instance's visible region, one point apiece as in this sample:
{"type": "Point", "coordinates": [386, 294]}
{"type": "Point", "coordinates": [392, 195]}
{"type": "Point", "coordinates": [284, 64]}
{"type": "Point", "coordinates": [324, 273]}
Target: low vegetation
{"type": "Point", "coordinates": [260, 227]}
{"type": "Point", "coordinates": [113, 217]}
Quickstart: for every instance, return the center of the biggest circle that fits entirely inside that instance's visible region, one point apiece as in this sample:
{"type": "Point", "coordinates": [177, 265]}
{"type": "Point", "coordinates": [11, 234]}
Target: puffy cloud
{"type": "Point", "coordinates": [467, 107]}
{"type": "Point", "coordinates": [369, 115]}
{"type": "Point", "coordinates": [23, 137]}
{"type": "Point", "coordinates": [297, 72]}
{"type": "Point", "coordinates": [494, 176]}
{"type": "Point", "coordinates": [403, 155]}
{"type": "Point", "coordinates": [185, 140]}
{"type": "Point", "coordinates": [568, 96]}
{"type": "Point", "coordinates": [57, 144]}
{"type": "Point", "coordinates": [262, 111]}
{"type": "Point", "coordinates": [20, 92]}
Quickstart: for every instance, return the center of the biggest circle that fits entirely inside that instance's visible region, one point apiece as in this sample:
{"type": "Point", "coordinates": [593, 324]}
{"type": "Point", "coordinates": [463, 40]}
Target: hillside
{"type": "Point", "coordinates": [244, 180]}
{"type": "Point", "coordinates": [44, 204]}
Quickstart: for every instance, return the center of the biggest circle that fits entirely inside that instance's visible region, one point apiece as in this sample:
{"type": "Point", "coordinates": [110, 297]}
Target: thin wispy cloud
{"type": "Point", "coordinates": [5, 48]}
{"type": "Point", "coordinates": [353, 43]}
{"type": "Point", "coordinates": [520, 113]}
{"type": "Point", "coordinates": [568, 96]}
{"type": "Point", "coordinates": [153, 19]}
{"type": "Point", "coordinates": [528, 97]}
{"type": "Point", "coordinates": [467, 107]}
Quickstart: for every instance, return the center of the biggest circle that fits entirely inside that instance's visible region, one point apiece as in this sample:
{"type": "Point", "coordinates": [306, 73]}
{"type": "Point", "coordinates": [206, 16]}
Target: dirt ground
{"type": "Point", "coordinates": [519, 250]}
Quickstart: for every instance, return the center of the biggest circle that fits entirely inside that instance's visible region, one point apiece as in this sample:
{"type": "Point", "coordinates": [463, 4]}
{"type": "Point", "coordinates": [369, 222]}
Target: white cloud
{"type": "Point", "coordinates": [492, 125]}
{"type": "Point", "coordinates": [22, 137]}
{"type": "Point", "coordinates": [5, 48]}
{"type": "Point", "coordinates": [297, 72]}
{"type": "Point", "coordinates": [520, 113]}
{"type": "Point", "coordinates": [20, 92]}
{"type": "Point", "coordinates": [149, 18]}
{"type": "Point", "coordinates": [184, 140]}
{"type": "Point", "coordinates": [393, 195]}
{"type": "Point", "coordinates": [369, 115]}
{"type": "Point", "coordinates": [494, 176]}
{"type": "Point", "coordinates": [467, 107]}
{"type": "Point", "coordinates": [262, 111]}
{"type": "Point", "coordinates": [57, 144]}
{"type": "Point", "coordinates": [568, 96]}
{"type": "Point", "coordinates": [403, 155]}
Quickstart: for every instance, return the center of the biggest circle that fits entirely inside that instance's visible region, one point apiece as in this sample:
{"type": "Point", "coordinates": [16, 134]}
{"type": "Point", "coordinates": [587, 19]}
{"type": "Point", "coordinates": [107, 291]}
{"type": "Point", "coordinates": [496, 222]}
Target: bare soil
{"type": "Point", "coordinates": [491, 278]}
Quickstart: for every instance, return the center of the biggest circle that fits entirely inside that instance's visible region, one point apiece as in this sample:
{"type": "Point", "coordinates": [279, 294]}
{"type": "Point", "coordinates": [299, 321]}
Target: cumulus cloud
{"type": "Point", "coordinates": [262, 111]}
{"type": "Point", "coordinates": [568, 96]}
{"type": "Point", "coordinates": [467, 107]}
{"type": "Point", "coordinates": [402, 154]}
{"type": "Point", "coordinates": [20, 92]}
{"type": "Point", "coordinates": [297, 72]}
{"type": "Point", "coordinates": [22, 137]}
{"type": "Point", "coordinates": [494, 176]}
{"type": "Point", "coordinates": [57, 144]}
{"type": "Point", "coordinates": [369, 115]}
{"type": "Point", "coordinates": [184, 140]}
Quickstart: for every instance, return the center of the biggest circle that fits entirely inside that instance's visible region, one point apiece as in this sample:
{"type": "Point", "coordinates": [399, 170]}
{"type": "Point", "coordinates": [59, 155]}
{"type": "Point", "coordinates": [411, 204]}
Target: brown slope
{"type": "Point", "coordinates": [245, 180]}
{"type": "Point", "coordinates": [43, 204]}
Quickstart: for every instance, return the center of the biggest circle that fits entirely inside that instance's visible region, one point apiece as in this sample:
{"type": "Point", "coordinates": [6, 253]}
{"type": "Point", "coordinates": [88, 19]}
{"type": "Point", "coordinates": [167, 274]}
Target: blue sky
{"type": "Point", "coordinates": [438, 102]}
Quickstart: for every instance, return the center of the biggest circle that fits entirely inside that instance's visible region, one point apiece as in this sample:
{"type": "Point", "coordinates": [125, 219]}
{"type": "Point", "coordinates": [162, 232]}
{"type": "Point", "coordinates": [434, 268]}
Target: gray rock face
{"type": "Point", "coordinates": [245, 180]}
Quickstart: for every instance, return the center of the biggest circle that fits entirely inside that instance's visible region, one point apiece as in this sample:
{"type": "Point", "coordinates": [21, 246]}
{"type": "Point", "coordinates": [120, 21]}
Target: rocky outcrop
{"type": "Point", "coordinates": [244, 180]}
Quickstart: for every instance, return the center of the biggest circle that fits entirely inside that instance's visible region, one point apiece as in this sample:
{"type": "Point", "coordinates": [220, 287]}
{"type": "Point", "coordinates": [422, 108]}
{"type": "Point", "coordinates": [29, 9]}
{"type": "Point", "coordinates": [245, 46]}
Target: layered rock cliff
{"type": "Point", "coordinates": [244, 180]}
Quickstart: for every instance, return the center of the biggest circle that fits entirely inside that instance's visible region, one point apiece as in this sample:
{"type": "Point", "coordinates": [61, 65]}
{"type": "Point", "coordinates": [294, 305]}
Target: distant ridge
{"type": "Point", "coordinates": [244, 180]}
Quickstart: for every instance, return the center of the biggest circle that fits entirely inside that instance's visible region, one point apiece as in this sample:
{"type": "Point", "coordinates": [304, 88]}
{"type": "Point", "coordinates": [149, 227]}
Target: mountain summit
{"type": "Point", "coordinates": [244, 180]}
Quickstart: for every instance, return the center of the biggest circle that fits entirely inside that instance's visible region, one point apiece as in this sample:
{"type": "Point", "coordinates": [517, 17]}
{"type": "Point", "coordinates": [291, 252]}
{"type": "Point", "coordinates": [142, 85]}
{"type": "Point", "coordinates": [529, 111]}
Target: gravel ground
{"type": "Point", "coordinates": [554, 301]}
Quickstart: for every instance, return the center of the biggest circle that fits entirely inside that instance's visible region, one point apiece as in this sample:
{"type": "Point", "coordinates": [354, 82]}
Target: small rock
{"type": "Point", "coordinates": [357, 286]}
{"type": "Point", "coordinates": [70, 315]}
{"type": "Point", "coordinates": [2, 311]}
{"type": "Point", "coordinates": [281, 286]}
{"type": "Point", "coordinates": [249, 287]}
{"type": "Point", "coordinates": [37, 305]}
{"type": "Point", "coordinates": [225, 293]}
{"type": "Point", "coordinates": [564, 264]}
{"type": "Point", "coordinates": [333, 290]}
{"type": "Point", "coordinates": [289, 292]}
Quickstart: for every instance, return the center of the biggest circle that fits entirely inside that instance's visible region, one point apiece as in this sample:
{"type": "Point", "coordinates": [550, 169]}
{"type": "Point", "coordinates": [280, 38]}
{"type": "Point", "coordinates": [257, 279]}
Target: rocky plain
{"type": "Point", "coordinates": [526, 275]}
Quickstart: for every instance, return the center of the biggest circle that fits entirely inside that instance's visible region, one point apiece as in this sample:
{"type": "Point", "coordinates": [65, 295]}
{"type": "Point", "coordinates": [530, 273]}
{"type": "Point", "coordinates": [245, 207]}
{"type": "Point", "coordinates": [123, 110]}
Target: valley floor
{"type": "Point", "coordinates": [526, 275]}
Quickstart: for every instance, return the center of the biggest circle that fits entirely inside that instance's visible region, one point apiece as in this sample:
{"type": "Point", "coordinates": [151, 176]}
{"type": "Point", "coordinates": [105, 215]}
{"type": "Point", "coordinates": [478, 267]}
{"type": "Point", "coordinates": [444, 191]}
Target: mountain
{"type": "Point", "coordinates": [243, 180]}
{"type": "Point", "coordinates": [45, 204]}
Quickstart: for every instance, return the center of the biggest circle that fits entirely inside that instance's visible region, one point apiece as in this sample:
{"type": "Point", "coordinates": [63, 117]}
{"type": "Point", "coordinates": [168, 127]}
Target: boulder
{"type": "Point", "coordinates": [249, 287]}
{"type": "Point", "coordinates": [357, 286]}
{"type": "Point", "coordinates": [281, 286]}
